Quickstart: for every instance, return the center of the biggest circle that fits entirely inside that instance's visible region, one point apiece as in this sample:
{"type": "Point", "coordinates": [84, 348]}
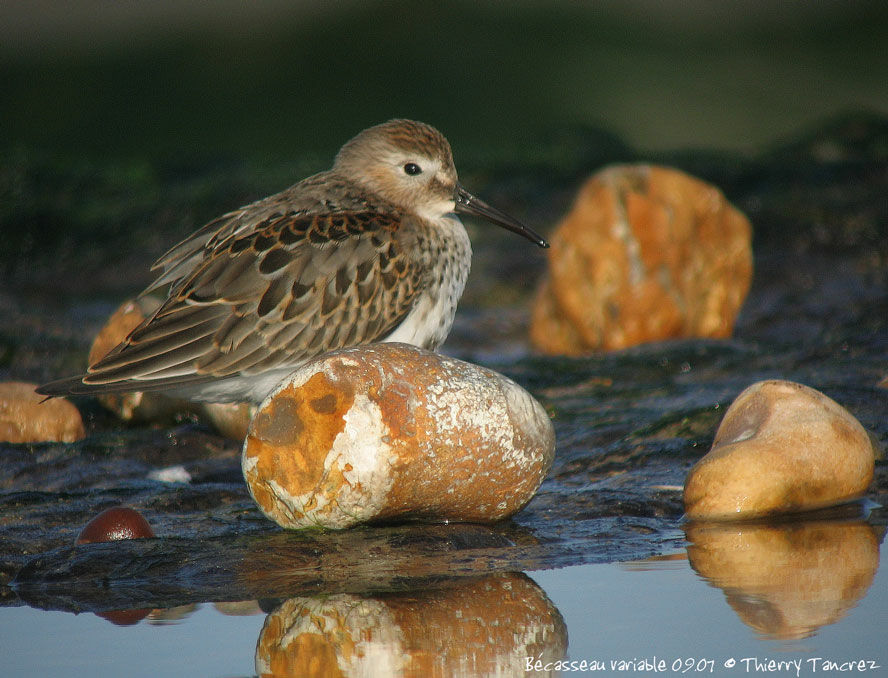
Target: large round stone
{"type": "Point", "coordinates": [392, 431]}
{"type": "Point", "coordinates": [781, 447]}
{"type": "Point", "coordinates": [647, 253]}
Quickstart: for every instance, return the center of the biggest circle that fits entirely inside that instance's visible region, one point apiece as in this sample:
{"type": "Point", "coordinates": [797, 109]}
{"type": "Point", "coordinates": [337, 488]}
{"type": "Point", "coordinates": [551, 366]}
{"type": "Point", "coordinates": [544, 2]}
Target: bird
{"type": "Point", "coordinates": [371, 250]}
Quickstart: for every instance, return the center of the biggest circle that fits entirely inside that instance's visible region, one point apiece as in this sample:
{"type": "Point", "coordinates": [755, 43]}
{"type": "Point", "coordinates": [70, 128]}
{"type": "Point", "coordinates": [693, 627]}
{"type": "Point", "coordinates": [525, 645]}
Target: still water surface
{"type": "Point", "coordinates": [809, 610]}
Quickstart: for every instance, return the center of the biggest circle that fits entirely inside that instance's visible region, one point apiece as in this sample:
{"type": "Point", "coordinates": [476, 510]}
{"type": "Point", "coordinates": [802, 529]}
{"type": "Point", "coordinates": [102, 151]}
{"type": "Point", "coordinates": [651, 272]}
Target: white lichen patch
{"type": "Point", "coordinates": [248, 462]}
{"type": "Point", "coordinates": [349, 362]}
{"type": "Point", "coordinates": [290, 507]}
{"type": "Point", "coordinates": [363, 455]}
{"type": "Point", "coordinates": [491, 409]}
{"type": "Point", "coordinates": [529, 416]}
{"type": "Point", "coordinates": [361, 633]}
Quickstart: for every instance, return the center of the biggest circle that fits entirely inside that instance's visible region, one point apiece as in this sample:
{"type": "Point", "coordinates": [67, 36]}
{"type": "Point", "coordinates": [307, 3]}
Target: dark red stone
{"type": "Point", "coordinates": [114, 524]}
{"type": "Point", "coordinates": [124, 617]}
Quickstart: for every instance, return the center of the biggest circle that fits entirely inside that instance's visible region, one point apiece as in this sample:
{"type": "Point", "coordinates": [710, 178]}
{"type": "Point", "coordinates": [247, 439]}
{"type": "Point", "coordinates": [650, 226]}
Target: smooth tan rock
{"type": "Point", "coordinates": [28, 417]}
{"type": "Point", "coordinates": [484, 627]}
{"type": "Point", "coordinates": [786, 581]}
{"type": "Point", "coordinates": [647, 253]}
{"type": "Point", "coordinates": [390, 430]}
{"type": "Point", "coordinates": [781, 447]}
{"type": "Point", "coordinates": [229, 419]}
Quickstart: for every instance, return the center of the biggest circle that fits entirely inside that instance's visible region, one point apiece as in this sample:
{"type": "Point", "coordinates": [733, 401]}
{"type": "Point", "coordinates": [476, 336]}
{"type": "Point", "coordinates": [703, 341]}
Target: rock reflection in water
{"type": "Point", "coordinates": [786, 580]}
{"type": "Point", "coordinates": [131, 617]}
{"type": "Point", "coordinates": [485, 626]}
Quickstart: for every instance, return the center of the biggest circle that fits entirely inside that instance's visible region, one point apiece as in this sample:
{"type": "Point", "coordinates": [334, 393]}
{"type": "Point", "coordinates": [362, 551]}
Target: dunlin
{"type": "Point", "coordinates": [371, 250]}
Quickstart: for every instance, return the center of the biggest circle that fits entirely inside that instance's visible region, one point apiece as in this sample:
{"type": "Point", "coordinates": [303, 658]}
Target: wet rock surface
{"type": "Point", "coordinates": [629, 425]}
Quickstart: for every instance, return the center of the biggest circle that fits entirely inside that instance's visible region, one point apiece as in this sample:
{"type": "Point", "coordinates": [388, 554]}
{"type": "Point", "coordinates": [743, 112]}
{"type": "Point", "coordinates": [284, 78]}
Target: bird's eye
{"type": "Point", "coordinates": [412, 169]}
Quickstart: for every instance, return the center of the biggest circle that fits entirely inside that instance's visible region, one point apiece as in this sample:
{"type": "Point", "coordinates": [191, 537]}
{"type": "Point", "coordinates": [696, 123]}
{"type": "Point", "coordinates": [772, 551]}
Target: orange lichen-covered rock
{"type": "Point", "coordinates": [483, 627]}
{"type": "Point", "coordinates": [390, 430]}
{"type": "Point", "coordinates": [786, 580]}
{"type": "Point", "coordinates": [647, 253]}
{"type": "Point", "coordinates": [28, 417]}
{"type": "Point", "coordinates": [781, 447]}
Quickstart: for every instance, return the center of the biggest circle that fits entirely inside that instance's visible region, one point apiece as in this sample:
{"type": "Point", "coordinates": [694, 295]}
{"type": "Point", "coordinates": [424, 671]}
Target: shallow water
{"type": "Point", "coordinates": [662, 609]}
{"type": "Point", "coordinates": [651, 617]}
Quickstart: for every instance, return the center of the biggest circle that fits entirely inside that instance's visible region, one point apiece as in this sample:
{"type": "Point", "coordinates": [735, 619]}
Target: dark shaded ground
{"type": "Point", "coordinates": [629, 424]}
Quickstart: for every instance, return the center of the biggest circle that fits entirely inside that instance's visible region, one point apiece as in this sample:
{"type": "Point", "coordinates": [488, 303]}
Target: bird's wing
{"type": "Point", "coordinates": [290, 287]}
{"type": "Point", "coordinates": [310, 196]}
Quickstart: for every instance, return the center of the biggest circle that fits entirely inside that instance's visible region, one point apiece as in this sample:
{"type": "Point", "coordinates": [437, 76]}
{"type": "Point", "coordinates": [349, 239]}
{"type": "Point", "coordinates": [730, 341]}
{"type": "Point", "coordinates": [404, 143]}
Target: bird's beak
{"type": "Point", "coordinates": [466, 203]}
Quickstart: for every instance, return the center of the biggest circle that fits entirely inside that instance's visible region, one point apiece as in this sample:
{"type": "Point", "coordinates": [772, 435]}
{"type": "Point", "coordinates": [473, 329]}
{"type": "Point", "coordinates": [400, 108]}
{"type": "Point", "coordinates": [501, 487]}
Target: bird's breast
{"type": "Point", "coordinates": [448, 258]}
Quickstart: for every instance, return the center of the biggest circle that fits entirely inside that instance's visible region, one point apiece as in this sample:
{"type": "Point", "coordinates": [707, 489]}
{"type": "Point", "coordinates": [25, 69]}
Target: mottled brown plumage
{"type": "Point", "coordinates": [370, 250]}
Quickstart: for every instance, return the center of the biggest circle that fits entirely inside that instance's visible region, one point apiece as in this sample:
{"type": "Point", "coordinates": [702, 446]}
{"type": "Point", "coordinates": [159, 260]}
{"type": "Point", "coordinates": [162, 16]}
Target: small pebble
{"type": "Point", "coordinates": [781, 447]}
{"type": "Point", "coordinates": [392, 431]}
{"type": "Point", "coordinates": [647, 253]}
{"type": "Point", "coordinates": [114, 524]}
{"type": "Point", "coordinates": [28, 417]}
{"type": "Point", "coordinates": [124, 617]}
{"type": "Point", "coordinates": [171, 474]}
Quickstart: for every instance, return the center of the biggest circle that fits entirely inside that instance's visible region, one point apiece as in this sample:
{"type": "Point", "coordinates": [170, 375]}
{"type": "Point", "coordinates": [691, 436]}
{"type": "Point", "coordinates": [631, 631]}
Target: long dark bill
{"type": "Point", "coordinates": [466, 203]}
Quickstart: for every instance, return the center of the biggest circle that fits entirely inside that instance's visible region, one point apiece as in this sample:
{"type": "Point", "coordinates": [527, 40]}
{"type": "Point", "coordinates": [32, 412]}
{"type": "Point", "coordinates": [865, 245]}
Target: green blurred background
{"type": "Point", "coordinates": [125, 125]}
{"type": "Point", "coordinates": [280, 81]}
